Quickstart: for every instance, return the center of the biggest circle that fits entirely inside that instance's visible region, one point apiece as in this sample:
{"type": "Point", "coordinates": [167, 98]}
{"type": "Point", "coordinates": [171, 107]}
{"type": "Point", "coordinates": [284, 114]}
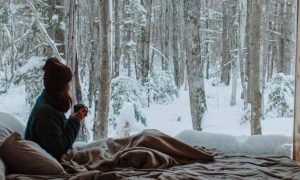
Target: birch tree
{"type": "Point", "coordinates": [94, 15]}
{"type": "Point", "coordinates": [72, 59]}
{"type": "Point", "coordinates": [101, 121]}
{"type": "Point", "coordinates": [280, 63]}
{"type": "Point", "coordinates": [289, 33]}
{"type": "Point", "coordinates": [175, 42]}
{"type": "Point", "coordinates": [225, 65]}
{"type": "Point", "coordinates": [145, 42]}
{"type": "Point", "coordinates": [235, 51]}
{"type": "Point", "coordinates": [117, 38]}
{"type": "Point", "coordinates": [254, 38]}
{"type": "Point", "coordinates": [241, 39]}
{"type": "Point", "coordinates": [194, 64]}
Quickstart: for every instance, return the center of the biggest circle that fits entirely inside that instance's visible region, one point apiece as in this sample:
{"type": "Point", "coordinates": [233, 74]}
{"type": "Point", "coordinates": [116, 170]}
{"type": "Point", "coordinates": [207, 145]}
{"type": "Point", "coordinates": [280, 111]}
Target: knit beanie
{"type": "Point", "coordinates": [56, 75]}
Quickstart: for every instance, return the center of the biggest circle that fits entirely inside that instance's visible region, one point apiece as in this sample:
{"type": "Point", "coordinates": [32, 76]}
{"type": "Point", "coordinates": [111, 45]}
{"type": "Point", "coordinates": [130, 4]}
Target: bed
{"type": "Point", "coordinates": [154, 155]}
{"type": "Point", "coordinates": [228, 166]}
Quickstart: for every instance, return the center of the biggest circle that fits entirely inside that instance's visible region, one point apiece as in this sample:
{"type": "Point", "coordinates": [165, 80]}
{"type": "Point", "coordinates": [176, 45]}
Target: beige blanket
{"type": "Point", "coordinates": [154, 155]}
{"type": "Point", "coordinates": [149, 149]}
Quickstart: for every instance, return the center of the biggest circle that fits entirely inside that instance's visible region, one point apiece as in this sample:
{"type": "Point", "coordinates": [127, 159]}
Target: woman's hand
{"type": "Point", "coordinates": [80, 115]}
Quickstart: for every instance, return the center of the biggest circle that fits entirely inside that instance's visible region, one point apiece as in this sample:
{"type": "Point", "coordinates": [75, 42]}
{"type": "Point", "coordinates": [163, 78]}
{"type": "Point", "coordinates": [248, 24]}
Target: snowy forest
{"type": "Point", "coordinates": [209, 65]}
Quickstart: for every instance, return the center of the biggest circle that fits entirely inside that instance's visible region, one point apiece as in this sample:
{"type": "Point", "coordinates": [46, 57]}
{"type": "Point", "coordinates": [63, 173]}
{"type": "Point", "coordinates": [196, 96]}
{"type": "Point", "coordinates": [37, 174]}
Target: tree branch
{"type": "Point", "coordinates": [43, 30]}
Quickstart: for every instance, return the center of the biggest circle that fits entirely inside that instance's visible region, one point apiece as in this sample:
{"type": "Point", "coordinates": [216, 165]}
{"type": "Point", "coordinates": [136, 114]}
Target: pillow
{"type": "Point", "coordinates": [8, 125]}
{"type": "Point", "coordinates": [4, 133]}
{"type": "Point", "coordinates": [2, 170]}
{"type": "Point", "coordinates": [27, 157]}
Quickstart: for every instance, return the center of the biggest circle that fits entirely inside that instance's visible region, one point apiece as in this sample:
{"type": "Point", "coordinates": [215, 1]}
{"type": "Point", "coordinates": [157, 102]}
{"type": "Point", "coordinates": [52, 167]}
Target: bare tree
{"type": "Point", "coordinates": [117, 42]}
{"type": "Point", "coordinates": [225, 65]}
{"type": "Point", "coordinates": [242, 8]}
{"type": "Point", "coordinates": [254, 38]}
{"type": "Point", "coordinates": [289, 33]}
{"type": "Point", "coordinates": [194, 64]}
{"type": "Point", "coordinates": [235, 51]}
{"type": "Point", "coordinates": [71, 49]}
{"type": "Point", "coordinates": [72, 60]}
{"type": "Point", "coordinates": [145, 42]}
{"type": "Point", "coordinates": [175, 42]}
{"type": "Point", "coordinates": [101, 121]}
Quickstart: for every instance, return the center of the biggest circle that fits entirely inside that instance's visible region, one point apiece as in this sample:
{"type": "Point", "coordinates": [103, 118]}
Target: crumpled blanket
{"type": "Point", "coordinates": [149, 149]}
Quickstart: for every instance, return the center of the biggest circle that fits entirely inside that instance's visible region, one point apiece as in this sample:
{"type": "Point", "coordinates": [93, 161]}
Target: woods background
{"type": "Point", "coordinates": [145, 52]}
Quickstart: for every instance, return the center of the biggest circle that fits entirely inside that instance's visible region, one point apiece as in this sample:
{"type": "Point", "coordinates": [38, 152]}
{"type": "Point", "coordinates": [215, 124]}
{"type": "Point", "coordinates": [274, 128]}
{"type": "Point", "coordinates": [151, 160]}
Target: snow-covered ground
{"type": "Point", "coordinates": [175, 117]}
{"type": "Point", "coordinates": [219, 118]}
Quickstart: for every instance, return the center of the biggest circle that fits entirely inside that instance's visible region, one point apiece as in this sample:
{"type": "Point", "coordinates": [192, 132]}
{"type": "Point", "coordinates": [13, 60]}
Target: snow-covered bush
{"type": "Point", "coordinates": [161, 87]}
{"type": "Point", "coordinates": [126, 123]}
{"type": "Point", "coordinates": [280, 101]}
{"type": "Point", "coordinates": [31, 75]}
{"type": "Point", "coordinates": [127, 90]}
{"type": "Point", "coordinates": [215, 82]}
{"type": "Point", "coordinates": [246, 115]}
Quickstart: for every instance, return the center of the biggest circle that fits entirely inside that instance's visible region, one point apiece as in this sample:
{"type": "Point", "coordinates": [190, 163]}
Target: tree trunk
{"type": "Point", "coordinates": [128, 39]}
{"type": "Point", "coordinates": [181, 39]}
{"type": "Point", "coordinates": [175, 42]}
{"type": "Point", "coordinates": [289, 33]}
{"type": "Point", "coordinates": [234, 81]}
{"type": "Point", "coordinates": [166, 32]}
{"type": "Point", "coordinates": [241, 47]}
{"type": "Point", "coordinates": [117, 48]}
{"type": "Point", "coordinates": [254, 38]}
{"type": "Point", "coordinates": [281, 43]}
{"type": "Point", "coordinates": [146, 42]}
{"type": "Point", "coordinates": [161, 29]}
{"type": "Point", "coordinates": [225, 65]}
{"type": "Point", "coordinates": [272, 57]}
{"type": "Point", "coordinates": [234, 47]}
{"type": "Point", "coordinates": [247, 42]}
{"type": "Point", "coordinates": [71, 49]}
{"type": "Point", "coordinates": [207, 60]}
{"type": "Point", "coordinates": [194, 64]}
{"type": "Point", "coordinates": [72, 61]}
{"type": "Point", "coordinates": [94, 28]}
{"type": "Point", "coordinates": [264, 50]}
{"type": "Point", "coordinates": [51, 27]}
{"type": "Point", "coordinates": [101, 123]}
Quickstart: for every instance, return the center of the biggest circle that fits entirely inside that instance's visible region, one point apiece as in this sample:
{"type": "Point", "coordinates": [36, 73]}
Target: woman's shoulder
{"type": "Point", "coordinates": [50, 114]}
{"type": "Point", "coordinates": [47, 109]}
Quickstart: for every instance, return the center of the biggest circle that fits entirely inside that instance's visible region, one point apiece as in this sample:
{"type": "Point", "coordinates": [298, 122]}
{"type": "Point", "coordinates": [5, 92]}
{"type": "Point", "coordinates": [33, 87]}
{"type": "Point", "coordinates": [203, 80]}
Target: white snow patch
{"type": "Point", "coordinates": [62, 25]}
{"type": "Point", "coordinates": [14, 103]}
{"type": "Point", "coordinates": [126, 123]}
{"type": "Point", "coordinates": [33, 62]}
{"type": "Point", "coordinates": [253, 145]}
{"type": "Point", "coordinates": [54, 17]}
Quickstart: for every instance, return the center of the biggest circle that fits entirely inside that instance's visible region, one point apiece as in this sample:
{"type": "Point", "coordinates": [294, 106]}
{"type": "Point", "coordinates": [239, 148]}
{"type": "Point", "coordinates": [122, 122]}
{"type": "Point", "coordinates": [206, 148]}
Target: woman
{"type": "Point", "coordinates": [47, 124]}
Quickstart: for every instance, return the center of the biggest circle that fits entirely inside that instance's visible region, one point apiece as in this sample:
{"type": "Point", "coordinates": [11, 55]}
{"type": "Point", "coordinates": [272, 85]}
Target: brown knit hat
{"type": "Point", "coordinates": [56, 75]}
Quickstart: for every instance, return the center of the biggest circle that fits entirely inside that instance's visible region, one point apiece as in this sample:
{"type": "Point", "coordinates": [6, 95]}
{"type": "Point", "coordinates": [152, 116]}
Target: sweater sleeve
{"type": "Point", "coordinates": [55, 139]}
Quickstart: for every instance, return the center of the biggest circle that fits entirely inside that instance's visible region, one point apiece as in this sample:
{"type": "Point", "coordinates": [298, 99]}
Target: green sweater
{"type": "Point", "coordinates": [50, 128]}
